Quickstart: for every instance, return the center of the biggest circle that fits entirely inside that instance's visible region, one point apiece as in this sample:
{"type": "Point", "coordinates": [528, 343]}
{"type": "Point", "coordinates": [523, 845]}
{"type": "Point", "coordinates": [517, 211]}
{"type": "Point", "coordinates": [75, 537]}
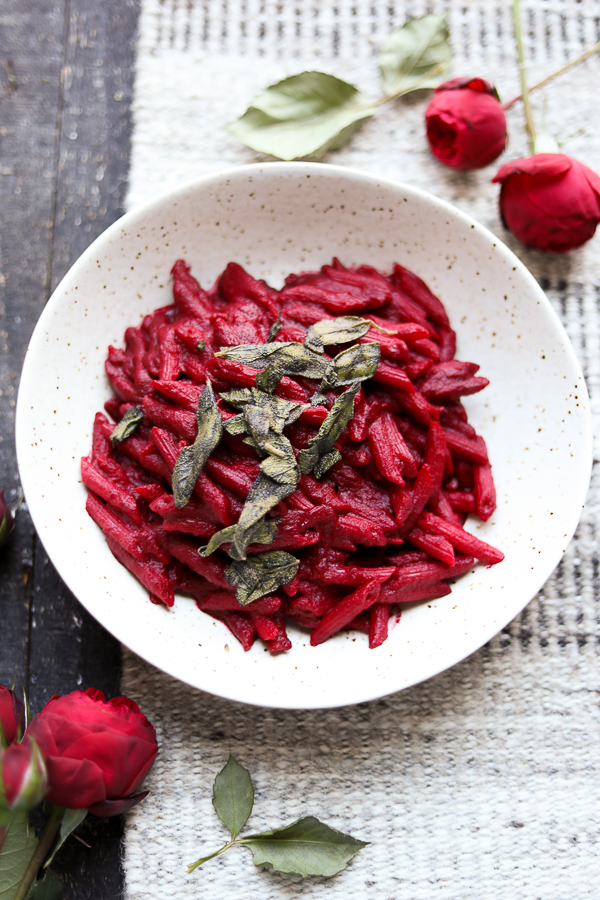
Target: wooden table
{"type": "Point", "coordinates": [66, 76]}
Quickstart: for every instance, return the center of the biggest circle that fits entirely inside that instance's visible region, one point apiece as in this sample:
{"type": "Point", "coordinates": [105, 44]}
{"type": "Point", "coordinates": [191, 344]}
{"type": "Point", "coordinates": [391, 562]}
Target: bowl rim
{"type": "Point", "coordinates": [262, 170]}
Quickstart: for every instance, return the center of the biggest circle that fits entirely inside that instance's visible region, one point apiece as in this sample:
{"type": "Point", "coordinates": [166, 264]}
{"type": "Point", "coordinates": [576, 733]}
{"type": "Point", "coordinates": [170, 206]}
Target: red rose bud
{"type": "Point", "coordinates": [97, 752]}
{"type": "Point", "coordinates": [23, 777]}
{"type": "Point", "coordinates": [12, 717]}
{"type": "Point", "coordinates": [549, 201]}
{"type": "Point", "coordinates": [466, 125]}
{"type": "Point", "coordinates": [7, 520]}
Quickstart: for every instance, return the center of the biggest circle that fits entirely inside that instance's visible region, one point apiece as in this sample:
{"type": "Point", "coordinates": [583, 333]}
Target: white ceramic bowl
{"type": "Point", "coordinates": [275, 219]}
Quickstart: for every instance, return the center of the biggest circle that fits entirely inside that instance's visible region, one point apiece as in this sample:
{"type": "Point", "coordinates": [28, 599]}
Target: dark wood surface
{"type": "Point", "coordinates": [66, 74]}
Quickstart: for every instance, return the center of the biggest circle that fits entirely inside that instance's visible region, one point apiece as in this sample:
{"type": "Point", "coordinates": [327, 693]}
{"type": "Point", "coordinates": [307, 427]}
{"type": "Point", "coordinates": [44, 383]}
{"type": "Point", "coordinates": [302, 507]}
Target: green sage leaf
{"type": "Point", "coordinates": [71, 819]}
{"type": "Point", "coordinates": [318, 399]}
{"type": "Point", "coordinates": [335, 331]}
{"type": "Point", "coordinates": [191, 460]}
{"type": "Point", "coordinates": [303, 115]}
{"type": "Point", "coordinates": [262, 532]}
{"type": "Point", "coordinates": [233, 796]}
{"type": "Point", "coordinates": [127, 425]}
{"type": "Point", "coordinates": [325, 462]}
{"type": "Point", "coordinates": [236, 425]}
{"type": "Point", "coordinates": [287, 358]}
{"type": "Point", "coordinates": [48, 888]}
{"type": "Point", "coordinates": [354, 364]}
{"type": "Point", "coordinates": [274, 329]}
{"type": "Point", "coordinates": [200, 345]}
{"type": "Point", "coordinates": [263, 496]}
{"type": "Point", "coordinates": [279, 412]}
{"type": "Point", "coordinates": [261, 574]}
{"type": "Point", "coordinates": [317, 455]}
{"type": "Point", "coordinates": [17, 849]}
{"type": "Point", "coordinates": [416, 56]}
{"type": "Point", "coordinates": [280, 465]}
{"type": "Point", "coordinates": [306, 847]}
{"type": "Point", "coordinates": [268, 379]}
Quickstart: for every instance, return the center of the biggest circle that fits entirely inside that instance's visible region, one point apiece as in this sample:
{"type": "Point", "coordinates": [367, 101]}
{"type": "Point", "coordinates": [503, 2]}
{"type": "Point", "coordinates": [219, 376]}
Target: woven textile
{"type": "Point", "coordinates": [485, 781]}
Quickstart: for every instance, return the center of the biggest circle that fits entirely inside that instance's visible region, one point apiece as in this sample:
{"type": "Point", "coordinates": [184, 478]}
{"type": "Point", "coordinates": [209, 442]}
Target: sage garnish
{"type": "Point", "coordinates": [261, 574]}
{"type": "Point", "coordinates": [320, 454]}
{"type": "Point", "coordinates": [318, 399]}
{"type": "Point", "coordinates": [305, 847]}
{"type": "Point", "coordinates": [191, 460]}
{"type": "Point", "coordinates": [264, 494]}
{"type": "Point", "coordinates": [262, 532]}
{"type": "Point", "coordinates": [335, 331]}
{"type": "Point", "coordinates": [287, 358]}
{"type": "Point", "coordinates": [127, 425]}
{"type": "Point", "coordinates": [257, 405]}
{"type": "Point", "coordinates": [200, 345]}
{"type": "Point", "coordinates": [274, 329]}
{"type": "Point", "coordinates": [355, 364]}
{"type": "Point", "coordinates": [268, 379]}
{"type": "Point", "coordinates": [281, 463]}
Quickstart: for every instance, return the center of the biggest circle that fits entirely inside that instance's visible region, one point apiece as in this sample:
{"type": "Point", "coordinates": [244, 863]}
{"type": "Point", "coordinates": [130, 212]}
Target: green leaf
{"type": "Point", "coordinates": [355, 364]}
{"type": "Point", "coordinates": [49, 888]}
{"type": "Point", "coordinates": [233, 796]}
{"type": "Point", "coordinates": [191, 460]}
{"type": "Point", "coordinates": [274, 329]}
{"type": "Point", "coordinates": [418, 55]}
{"type": "Point", "coordinates": [306, 847]}
{"type": "Point", "coordinates": [261, 574]}
{"type": "Point", "coordinates": [335, 331]}
{"type": "Point", "coordinates": [17, 849]}
{"type": "Point", "coordinates": [262, 532]}
{"type": "Point", "coordinates": [304, 115]}
{"type": "Point", "coordinates": [287, 358]}
{"type": "Point", "coordinates": [127, 425]}
{"type": "Point", "coordinates": [71, 819]}
{"type": "Point", "coordinates": [320, 454]}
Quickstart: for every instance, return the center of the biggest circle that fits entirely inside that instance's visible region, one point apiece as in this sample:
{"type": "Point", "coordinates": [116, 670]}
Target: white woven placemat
{"type": "Point", "coordinates": [484, 781]}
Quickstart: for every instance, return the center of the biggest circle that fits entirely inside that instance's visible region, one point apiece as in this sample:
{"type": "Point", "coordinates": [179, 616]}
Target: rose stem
{"type": "Point", "coordinates": [46, 840]}
{"type": "Point", "coordinates": [523, 76]}
{"type": "Point", "coordinates": [574, 62]}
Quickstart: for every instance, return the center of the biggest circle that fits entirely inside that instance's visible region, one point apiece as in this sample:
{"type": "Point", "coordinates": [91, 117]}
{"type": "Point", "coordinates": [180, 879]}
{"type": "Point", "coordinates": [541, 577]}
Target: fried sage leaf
{"type": "Point", "coordinates": [281, 463]}
{"type": "Point", "coordinates": [335, 331]}
{"type": "Point", "coordinates": [236, 425]}
{"type": "Point", "coordinates": [127, 425]}
{"type": "Point", "coordinates": [268, 379]}
{"type": "Point", "coordinates": [258, 407]}
{"type": "Point", "coordinates": [262, 532]}
{"type": "Point", "coordinates": [261, 574]}
{"type": "Point", "coordinates": [354, 364]}
{"type": "Point", "coordinates": [191, 460]}
{"type": "Point", "coordinates": [320, 454]}
{"type": "Point", "coordinates": [274, 329]}
{"type": "Point", "coordinates": [287, 358]}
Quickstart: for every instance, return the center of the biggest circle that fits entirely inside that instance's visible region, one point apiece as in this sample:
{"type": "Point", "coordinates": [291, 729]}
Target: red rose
{"type": "Point", "coordinates": [549, 201]}
{"type": "Point", "coordinates": [12, 716]}
{"type": "Point", "coordinates": [97, 752]}
{"type": "Point", "coordinates": [23, 777]}
{"type": "Point", "coordinates": [7, 521]}
{"type": "Point", "coordinates": [466, 125]}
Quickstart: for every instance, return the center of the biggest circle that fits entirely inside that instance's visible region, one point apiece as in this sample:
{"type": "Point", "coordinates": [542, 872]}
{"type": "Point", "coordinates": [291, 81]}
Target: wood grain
{"type": "Point", "coordinates": [66, 74]}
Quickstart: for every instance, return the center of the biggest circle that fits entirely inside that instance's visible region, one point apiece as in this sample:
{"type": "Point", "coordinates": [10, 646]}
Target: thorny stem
{"type": "Point", "coordinates": [574, 62]}
{"type": "Point", "coordinates": [523, 76]}
{"type": "Point", "coordinates": [41, 851]}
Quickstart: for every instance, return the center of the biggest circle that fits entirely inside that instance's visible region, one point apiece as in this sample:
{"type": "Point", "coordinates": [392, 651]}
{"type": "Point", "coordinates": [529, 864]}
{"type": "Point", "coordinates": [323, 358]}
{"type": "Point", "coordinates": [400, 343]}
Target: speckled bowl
{"type": "Point", "coordinates": [274, 219]}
